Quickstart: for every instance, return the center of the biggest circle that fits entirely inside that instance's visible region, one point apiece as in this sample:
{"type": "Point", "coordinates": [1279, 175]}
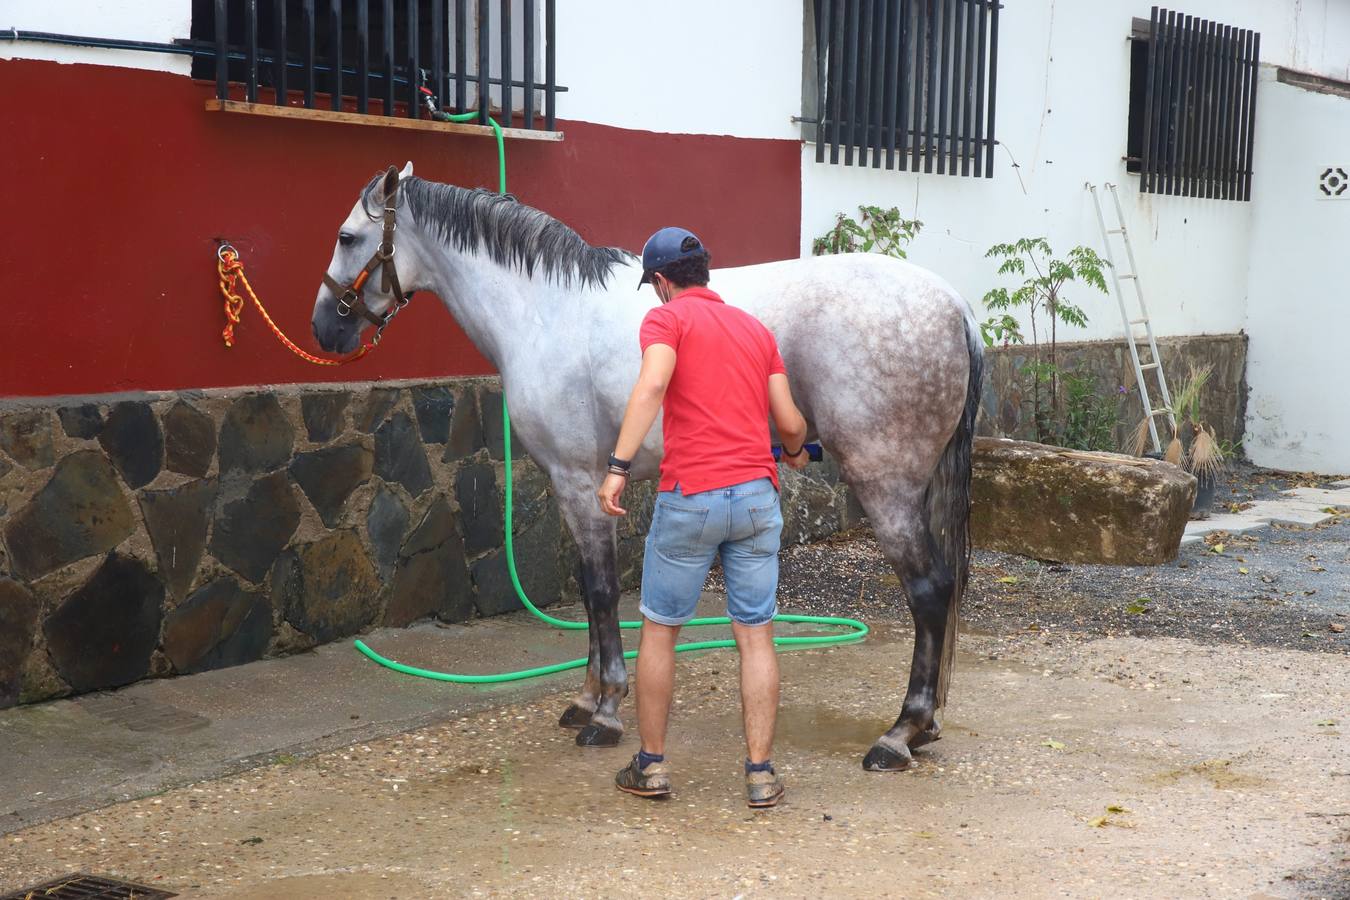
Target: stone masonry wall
{"type": "Point", "coordinates": [172, 533]}
{"type": "Point", "coordinates": [1006, 408]}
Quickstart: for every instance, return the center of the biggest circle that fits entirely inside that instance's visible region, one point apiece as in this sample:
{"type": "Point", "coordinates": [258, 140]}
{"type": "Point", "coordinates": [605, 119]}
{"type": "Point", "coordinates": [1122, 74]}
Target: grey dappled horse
{"type": "Point", "coordinates": [883, 358]}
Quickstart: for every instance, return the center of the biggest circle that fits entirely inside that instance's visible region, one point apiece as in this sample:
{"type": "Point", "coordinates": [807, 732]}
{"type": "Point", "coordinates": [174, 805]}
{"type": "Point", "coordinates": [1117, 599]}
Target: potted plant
{"type": "Point", "coordinates": [1200, 452]}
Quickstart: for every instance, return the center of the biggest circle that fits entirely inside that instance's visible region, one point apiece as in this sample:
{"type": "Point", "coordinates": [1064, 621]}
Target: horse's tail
{"type": "Point", "coordinates": [948, 501]}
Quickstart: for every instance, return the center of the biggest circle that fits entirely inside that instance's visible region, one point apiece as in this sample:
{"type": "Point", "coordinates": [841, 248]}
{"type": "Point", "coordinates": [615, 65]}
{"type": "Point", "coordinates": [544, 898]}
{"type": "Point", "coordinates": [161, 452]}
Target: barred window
{"type": "Point", "coordinates": [908, 82]}
{"type": "Point", "coordinates": [383, 57]}
{"type": "Point", "coordinates": [1192, 106]}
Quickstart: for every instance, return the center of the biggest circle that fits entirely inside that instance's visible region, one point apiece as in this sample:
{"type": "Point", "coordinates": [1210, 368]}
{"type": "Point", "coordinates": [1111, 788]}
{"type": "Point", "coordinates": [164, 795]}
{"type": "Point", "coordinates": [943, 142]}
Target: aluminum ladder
{"type": "Point", "coordinates": [1131, 322]}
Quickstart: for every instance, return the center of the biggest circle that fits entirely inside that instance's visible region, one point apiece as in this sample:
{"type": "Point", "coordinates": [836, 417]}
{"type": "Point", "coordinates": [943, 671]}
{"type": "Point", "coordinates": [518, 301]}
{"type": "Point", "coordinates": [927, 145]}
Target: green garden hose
{"type": "Point", "coordinates": [857, 630]}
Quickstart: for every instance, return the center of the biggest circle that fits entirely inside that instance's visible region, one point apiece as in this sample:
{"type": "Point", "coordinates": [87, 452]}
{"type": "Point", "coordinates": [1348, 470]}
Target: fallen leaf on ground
{"type": "Point", "coordinates": [1327, 723]}
{"type": "Point", "coordinates": [1243, 572]}
{"type": "Point", "coordinates": [1116, 809]}
{"type": "Point", "coordinates": [1008, 579]}
{"type": "Point", "coordinates": [1217, 548]}
{"type": "Point", "coordinates": [1052, 744]}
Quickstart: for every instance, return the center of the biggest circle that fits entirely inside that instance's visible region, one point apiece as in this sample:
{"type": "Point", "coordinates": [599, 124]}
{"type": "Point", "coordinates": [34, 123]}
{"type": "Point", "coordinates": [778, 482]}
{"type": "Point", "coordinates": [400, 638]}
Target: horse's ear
{"type": "Point", "coordinates": [407, 170]}
{"type": "Point", "coordinates": [385, 186]}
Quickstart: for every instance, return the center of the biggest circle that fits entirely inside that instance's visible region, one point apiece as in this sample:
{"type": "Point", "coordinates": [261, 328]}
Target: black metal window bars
{"type": "Point", "coordinates": [387, 51]}
{"type": "Point", "coordinates": [912, 82]}
{"type": "Point", "coordinates": [1199, 108]}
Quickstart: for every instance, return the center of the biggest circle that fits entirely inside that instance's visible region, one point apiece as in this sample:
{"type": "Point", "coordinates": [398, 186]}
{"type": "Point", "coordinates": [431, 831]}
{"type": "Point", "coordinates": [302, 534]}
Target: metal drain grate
{"type": "Point", "coordinates": [140, 714]}
{"type": "Point", "coordinates": [87, 887]}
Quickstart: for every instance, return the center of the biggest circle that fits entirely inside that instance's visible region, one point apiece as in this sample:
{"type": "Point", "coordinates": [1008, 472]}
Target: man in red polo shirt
{"type": "Point", "coordinates": [717, 371]}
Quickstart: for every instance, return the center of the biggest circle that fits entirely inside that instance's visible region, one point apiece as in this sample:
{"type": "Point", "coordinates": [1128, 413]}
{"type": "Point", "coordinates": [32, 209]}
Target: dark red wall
{"type": "Point", "coordinates": [116, 182]}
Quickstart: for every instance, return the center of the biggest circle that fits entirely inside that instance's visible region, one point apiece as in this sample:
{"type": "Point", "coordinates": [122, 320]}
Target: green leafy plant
{"type": "Point", "coordinates": [1089, 418]}
{"type": "Point", "coordinates": [1004, 329]}
{"type": "Point", "coordinates": [876, 230]}
{"type": "Point", "coordinates": [1042, 293]}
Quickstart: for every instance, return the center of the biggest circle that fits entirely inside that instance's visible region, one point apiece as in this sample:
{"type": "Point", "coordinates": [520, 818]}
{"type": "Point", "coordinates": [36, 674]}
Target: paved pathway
{"type": "Point", "coordinates": [1300, 506]}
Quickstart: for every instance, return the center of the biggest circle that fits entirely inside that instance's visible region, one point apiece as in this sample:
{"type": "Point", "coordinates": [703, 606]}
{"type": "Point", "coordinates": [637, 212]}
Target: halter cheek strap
{"type": "Point", "coordinates": [349, 297]}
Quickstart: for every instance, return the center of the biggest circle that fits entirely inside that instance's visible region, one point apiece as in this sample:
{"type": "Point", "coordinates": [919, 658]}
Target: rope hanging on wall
{"type": "Point", "coordinates": [231, 271]}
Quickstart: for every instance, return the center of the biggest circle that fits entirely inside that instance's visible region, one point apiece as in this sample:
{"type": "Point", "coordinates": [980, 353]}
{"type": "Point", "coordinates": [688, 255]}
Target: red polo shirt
{"type": "Point", "coordinates": [716, 410]}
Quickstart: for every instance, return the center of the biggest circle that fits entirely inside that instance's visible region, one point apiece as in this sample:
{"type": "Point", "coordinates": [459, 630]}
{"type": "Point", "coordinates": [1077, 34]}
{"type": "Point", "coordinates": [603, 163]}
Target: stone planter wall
{"type": "Point", "coordinates": [1006, 408]}
{"type": "Point", "coordinates": [172, 533]}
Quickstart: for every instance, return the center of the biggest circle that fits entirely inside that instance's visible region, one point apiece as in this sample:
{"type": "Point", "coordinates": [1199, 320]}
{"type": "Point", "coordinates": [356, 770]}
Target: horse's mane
{"type": "Point", "coordinates": [512, 234]}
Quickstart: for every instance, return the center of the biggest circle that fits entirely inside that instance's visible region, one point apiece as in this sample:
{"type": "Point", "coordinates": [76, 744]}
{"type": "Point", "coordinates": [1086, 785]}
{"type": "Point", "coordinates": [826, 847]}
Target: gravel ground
{"type": "Point", "coordinates": [1070, 765]}
{"type": "Point", "coordinates": [1281, 586]}
{"type": "Point", "coordinates": [1097, 745]}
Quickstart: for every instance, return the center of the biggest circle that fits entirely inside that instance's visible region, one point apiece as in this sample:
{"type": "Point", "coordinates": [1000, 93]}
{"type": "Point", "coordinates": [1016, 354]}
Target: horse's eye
{"type": "Point", "coordinates": [346, 239]}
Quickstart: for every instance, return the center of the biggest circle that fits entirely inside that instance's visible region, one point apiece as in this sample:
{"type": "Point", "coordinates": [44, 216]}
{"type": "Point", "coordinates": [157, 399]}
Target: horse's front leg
{"type": "Point", "coordinates": [596, 710]}
{"type": "Point", "coordinates": [579, 711]}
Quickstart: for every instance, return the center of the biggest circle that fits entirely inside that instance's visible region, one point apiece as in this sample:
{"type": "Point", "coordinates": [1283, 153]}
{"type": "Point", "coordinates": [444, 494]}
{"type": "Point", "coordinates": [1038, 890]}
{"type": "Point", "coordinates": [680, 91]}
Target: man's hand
{"type": "Point", "coordinates": [610, 492]}
{"type": "Point", "coordinates": [796, 462]}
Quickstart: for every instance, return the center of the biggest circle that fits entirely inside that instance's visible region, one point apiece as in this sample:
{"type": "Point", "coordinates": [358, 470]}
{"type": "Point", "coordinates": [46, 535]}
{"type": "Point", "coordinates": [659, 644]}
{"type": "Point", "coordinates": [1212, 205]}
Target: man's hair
{"type": "Point", "coordinates": [688, 271]}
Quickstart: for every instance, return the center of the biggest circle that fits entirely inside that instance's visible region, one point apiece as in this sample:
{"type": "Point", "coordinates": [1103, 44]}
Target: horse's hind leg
{"type": "Point", "coordinates": [899, 519]}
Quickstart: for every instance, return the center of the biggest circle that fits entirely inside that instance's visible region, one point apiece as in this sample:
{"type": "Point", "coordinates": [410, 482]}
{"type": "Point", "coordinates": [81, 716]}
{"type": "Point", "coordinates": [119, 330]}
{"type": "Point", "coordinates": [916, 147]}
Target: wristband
{"type": "Point", "coordinates": [794, 455]}
{"type": "Point", "coordinates": [615, 470]}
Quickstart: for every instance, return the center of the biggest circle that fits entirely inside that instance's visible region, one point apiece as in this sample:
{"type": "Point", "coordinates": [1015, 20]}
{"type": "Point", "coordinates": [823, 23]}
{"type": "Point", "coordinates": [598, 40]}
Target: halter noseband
{"type": "Point", "coordinates": [349, 297]}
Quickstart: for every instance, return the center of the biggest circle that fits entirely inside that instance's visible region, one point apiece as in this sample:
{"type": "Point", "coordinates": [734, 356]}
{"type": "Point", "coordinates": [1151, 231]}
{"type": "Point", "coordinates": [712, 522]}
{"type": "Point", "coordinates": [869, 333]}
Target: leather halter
{"type": "Point", "coordinates": [349, 299]}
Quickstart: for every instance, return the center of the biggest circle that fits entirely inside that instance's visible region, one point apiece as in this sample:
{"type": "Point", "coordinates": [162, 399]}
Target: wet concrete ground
{"type": "Point", "coordinates": [1072, 765]}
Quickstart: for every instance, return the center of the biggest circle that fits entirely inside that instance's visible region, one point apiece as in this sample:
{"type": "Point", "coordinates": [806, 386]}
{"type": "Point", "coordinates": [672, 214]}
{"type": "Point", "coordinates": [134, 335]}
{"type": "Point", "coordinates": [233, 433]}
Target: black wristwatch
{"type": "Point", "coordinates": [619, 466]}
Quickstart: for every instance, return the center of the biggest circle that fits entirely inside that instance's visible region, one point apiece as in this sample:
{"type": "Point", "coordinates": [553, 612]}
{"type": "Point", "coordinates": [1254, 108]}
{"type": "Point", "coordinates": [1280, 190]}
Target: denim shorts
{"type": "Point", "coordinates": [742, 523]}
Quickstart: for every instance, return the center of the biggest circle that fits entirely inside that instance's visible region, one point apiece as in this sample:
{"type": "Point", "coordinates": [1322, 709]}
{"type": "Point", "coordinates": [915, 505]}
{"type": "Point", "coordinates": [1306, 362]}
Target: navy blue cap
{"type": "Point", "coordinates": [666, 246]}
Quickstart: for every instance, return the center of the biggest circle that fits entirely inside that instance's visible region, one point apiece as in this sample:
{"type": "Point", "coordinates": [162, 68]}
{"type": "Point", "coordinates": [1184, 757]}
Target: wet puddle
{"type": "Point", "coordinates": [827, 731]}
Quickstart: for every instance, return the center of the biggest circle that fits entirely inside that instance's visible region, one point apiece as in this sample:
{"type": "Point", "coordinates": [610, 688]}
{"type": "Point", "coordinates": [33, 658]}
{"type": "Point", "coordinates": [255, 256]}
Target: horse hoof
{"type": "Point", "coordinates": [575, 717]}
{"type": "Point", "coordinates": [883, 759]}
{"type": "Point", "coordinates": [927, 736]}
{"type": "Point", "coordinates": [593, 735]}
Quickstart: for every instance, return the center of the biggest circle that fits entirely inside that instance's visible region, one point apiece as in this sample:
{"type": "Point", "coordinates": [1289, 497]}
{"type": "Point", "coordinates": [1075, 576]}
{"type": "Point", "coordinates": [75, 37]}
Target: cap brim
{"type": "Point", "coordinates": [646, 277]}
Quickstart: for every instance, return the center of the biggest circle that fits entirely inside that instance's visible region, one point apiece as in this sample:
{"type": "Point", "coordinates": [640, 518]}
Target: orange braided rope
{"type": "Point", "coordinates": [231, 276]}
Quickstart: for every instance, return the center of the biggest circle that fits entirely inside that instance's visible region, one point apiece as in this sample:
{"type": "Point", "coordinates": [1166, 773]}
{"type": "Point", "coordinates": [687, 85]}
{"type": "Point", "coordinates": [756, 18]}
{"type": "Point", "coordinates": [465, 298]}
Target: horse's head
{"type": "Point", "coordinates": [366, 278]}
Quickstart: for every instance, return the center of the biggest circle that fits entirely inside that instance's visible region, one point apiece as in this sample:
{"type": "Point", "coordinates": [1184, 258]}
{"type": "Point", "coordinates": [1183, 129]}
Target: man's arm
{"type": "Point", "coordinates": [658, 364]}
{"type": "Point", "coordinates": [788, 419]}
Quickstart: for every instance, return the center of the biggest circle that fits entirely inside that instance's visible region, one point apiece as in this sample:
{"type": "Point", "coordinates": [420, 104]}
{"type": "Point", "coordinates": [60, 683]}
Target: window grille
{"type": "Point", "coordinates": [382, 56]}
{"type": "Point", "coordinates": [1192, 106]}
{"type": "Point", "coordinates": [910, 82]}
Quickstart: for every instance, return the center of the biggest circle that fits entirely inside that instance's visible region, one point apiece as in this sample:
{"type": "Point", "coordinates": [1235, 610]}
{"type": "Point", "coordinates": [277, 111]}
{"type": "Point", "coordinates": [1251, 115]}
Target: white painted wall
{"type": "Point", "coordinates": [696, 66]}
{"type": "Point", "coordinates": [1298, 416]}
{"type": "Point", "coordinates": [1063, 94]}
{"type": "Point", "coordinates": [160, 21]}
{"type": "Point", "coordinates": [734, 66]}
{"type": "Point", "coordinates": [1270, 267]}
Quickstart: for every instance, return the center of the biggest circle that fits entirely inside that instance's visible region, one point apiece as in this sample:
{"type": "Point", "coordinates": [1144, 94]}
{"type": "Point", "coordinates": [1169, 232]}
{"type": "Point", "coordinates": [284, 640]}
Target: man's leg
{"type": "Point", "coordinates": [673, 570]}
{"type": "Point", "coordinates": [759, 688]}
{"type": "Point", "coordinates": [655, 683]}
